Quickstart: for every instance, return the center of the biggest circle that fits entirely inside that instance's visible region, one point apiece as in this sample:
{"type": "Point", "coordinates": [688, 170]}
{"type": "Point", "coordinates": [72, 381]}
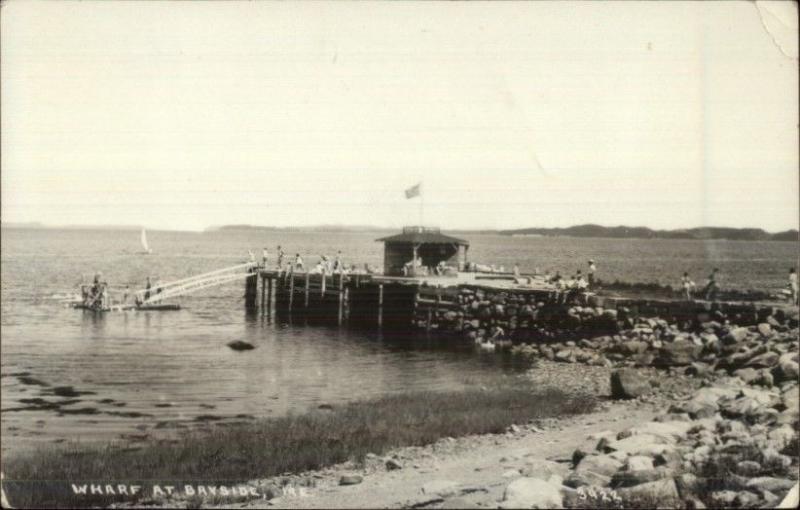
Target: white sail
{"type": "Point", "coordinates": [145, 246]}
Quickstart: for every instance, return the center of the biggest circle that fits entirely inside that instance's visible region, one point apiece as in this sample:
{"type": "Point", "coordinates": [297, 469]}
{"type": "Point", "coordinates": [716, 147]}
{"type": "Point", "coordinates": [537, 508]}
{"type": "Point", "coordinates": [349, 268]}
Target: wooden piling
{"type": "Point", "coordinates": [291, 291]}
{"type": "Point", "coordinates": [308, 277]}
{"type": "Point", "coordinates": [251, 291]}
{"type": "Point", "coordinates": [341, 297]}
{"type": "Point", "coordinates": [269, 296]}
{"type": "Point", "coordinates": [380, 304]}
{"type": "Point", "coordinates": [322, 291]}
{"type": "Point", "coordinates": [263, 289]}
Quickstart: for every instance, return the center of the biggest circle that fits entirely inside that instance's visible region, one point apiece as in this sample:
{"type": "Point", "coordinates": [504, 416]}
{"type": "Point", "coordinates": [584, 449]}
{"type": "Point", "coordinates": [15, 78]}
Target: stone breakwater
{"type": "Point", "coordinates": [765, 354]}
{"type": "Point", "coordinates": [542, 316]}
{"type": "Point", "coordinates": [758, 343]}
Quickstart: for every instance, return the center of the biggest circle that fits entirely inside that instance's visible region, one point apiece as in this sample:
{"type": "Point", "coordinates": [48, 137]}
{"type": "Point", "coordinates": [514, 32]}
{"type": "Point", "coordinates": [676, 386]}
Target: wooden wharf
{"type": "Point", "coordinates": [466, 302]}
{"type": "Point", "coordinates": [460, 302]}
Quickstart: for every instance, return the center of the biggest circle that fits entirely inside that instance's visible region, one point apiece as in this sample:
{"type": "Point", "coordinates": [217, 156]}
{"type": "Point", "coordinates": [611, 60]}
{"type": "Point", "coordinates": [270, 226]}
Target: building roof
{"type": "Point", "coordinates": [423, 238]}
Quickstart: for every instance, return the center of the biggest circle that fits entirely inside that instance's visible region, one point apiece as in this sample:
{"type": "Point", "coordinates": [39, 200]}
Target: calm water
{"type": "Point", "coordinates": [162, 369]}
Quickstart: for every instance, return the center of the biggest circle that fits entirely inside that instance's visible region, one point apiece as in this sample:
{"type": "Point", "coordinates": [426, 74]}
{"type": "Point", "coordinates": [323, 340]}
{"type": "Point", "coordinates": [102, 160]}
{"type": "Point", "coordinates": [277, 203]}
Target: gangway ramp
{"type": "Point", "coordinates": [192, 284]}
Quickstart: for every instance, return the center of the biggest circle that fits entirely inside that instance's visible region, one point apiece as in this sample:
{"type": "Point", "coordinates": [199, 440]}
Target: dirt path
{"type": "Point", "coordinates": [456, 472]}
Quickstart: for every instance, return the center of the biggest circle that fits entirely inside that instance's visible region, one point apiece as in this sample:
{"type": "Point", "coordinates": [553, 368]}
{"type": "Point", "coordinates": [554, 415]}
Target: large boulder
{"type": "Point", "coordinates": [602, 464]}
{"type": "Point", "coordinates": [767, 397]}
{"type": "Point", "coordinates": [640, 444]}
{"type": "Point", "coordinates": [781, 436]}
{"type": "Point", "coordinates": [768, 483]}
{"type": "Point", "coordinates": [749, 468]}
{"type": "Point", "coordinates": [532, 493]}
{"type": "Point", "coordinates": [788, 368]}
{"type": "Point", "coordinates": [766, 360]}
{"type": "Point", "coordinates": [775, 460]}
{"type": "Point", "coordinates": [627, 383]}
{"type": "Point", "coordinates": [350, 480]}
{"type": "Point", "coordinates": [669, 431]}
{"type": "Point", "coordinates": [544, 469]}
{"type": "Point", "coordinates": [790, 400]}
{"type": "Point", "coordinates": [748, 374]}
{"type": "Point", "coordinates": [697, 409]}
{"type": "Point", "coordinates": [735, 336]}
{"type": "Point", "coordinates": [748, 409]}
{"type": "Point", "coordinates": [723, 499]}
{"type": "Point", "coordinates": [638, 463]}
{"type": "Point", "coordinates": [661, 493]}
{"type": "Point", "coordinates": [712, 394]}
{"type": "Point", "coordinates": [632, 347]}
{"type": "Point", "coordinates": [593, 470]}
{"type": "Point", "coordinates": [631, 478]}
{"type": "Point", "coordinates": [678, 353]}
{"type": "Point", "coordinates": [699, 369]}
{"type": "Point", "coordinates": [566, 356]}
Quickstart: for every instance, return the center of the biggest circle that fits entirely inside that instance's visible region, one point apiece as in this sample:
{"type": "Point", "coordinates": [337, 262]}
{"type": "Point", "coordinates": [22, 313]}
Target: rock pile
{"type": "Point", "coordinates": [728, 445]}
{"type": "Point", "coordinates": [539, 316]}
{"type": "Point", "coordinates": [764, 354]}
{"type": "Point", "coordinates": [524, 317]}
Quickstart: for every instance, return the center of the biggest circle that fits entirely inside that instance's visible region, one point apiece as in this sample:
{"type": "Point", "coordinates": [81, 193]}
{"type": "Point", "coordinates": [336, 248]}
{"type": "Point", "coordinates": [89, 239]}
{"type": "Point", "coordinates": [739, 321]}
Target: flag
{"type": "Point", "coordinates": [414, 191]}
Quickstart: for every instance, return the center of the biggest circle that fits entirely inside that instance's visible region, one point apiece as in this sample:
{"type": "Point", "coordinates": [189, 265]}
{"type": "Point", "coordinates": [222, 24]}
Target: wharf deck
{"type": "Point", "coordinates": [426, 301]}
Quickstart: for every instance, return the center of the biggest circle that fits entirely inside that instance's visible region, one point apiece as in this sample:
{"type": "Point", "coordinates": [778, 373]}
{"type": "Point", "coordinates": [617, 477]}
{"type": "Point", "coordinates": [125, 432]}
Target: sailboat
{"type": "Point", "coordinates": [145, 246]}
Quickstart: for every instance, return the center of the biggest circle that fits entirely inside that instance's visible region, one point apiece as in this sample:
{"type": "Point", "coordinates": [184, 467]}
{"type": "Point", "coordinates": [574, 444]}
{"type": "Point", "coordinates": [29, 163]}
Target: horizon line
{"type": "Point", "coordinates": [100, 226]}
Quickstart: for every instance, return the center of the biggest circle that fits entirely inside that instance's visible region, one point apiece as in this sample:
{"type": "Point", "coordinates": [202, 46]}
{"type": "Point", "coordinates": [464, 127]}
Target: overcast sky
{"type": "Point", "coordinates": [183, 115]}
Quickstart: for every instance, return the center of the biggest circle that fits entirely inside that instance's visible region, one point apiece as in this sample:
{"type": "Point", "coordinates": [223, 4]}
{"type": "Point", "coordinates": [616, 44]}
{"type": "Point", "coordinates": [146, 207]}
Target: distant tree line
{"type": "Point", "coordinates": [701, 233]}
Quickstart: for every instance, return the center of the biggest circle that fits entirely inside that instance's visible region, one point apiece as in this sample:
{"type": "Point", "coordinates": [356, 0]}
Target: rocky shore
{"type": "Point", "coordinates": [716, 409]}
{"type": "Point", "coordinates": [764, 354]}
{"type": "Point", "coordinates": [732, 443]}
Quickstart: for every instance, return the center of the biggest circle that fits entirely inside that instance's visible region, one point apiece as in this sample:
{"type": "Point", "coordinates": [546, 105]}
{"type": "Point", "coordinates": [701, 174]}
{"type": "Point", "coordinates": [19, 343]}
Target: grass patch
{"type": "Point", "coordinates": [270, 447]}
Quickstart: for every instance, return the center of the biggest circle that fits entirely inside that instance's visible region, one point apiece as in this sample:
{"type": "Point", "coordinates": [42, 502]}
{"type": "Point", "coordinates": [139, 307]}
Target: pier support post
{"type": "Point", "coordinates": [269, 296]}
{"type": "Point", "coordinates": [251, 291]}
{"type": "Point", "coordinates": [380, 304]}
{"type": "Point", "coordinates": [263, 290]}
{"type": "Point", "coordinates": [291, 291]}
{"type": "Point", "coordinates": [308, 278]}
{"type": "Point", "coordinates": [340, 293]}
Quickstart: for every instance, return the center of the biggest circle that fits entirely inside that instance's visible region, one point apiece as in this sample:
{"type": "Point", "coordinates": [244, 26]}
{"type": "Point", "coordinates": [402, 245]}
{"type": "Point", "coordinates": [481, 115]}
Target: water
{"type": "Point", "coordinates": [148, 370]}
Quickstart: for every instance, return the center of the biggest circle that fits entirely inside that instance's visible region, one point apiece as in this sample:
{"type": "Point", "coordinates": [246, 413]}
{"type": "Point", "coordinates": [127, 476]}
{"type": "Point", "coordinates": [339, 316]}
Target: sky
{"type": "Point", "coordinates": [184, 115]}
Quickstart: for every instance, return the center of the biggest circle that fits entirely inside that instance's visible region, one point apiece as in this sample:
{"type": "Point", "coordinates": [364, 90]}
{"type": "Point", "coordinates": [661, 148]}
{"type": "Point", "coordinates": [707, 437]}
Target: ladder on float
{"type": "Point", "coordinates": [194, 283]}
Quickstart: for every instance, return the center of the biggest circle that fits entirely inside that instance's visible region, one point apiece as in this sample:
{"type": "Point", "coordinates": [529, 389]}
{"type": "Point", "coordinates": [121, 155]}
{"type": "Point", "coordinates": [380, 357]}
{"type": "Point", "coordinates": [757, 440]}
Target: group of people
{"type": "Point", "coordinates": [711, 288]}
{"type": "Point", "coordinates": [95, 295]}
{"type": "Point", "coordinates": [414, 267]}
{"type": "Point", "coordinates": [575, 282]}
{"type": "Point", "coordinates": [325, 264]}
{"type": "Point", "coordinates": [98, 295]}
{"type": "Point", "coordinates": [709, 291]}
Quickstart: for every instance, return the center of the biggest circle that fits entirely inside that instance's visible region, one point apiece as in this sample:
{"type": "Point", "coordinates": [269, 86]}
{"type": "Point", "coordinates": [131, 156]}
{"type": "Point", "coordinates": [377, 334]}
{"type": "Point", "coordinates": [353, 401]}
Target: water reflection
{"type": "Point", "coordinates": [93, 322]}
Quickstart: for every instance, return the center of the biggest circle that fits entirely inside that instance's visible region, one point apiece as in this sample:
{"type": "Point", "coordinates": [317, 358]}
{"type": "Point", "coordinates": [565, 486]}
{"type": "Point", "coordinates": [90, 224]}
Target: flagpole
{"type": "Point", "coordinates": [421, 205]}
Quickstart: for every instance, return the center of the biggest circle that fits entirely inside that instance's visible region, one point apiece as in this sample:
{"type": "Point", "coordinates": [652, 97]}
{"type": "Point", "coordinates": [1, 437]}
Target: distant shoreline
{"type": "Point", "coordinates": [587, 231]}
